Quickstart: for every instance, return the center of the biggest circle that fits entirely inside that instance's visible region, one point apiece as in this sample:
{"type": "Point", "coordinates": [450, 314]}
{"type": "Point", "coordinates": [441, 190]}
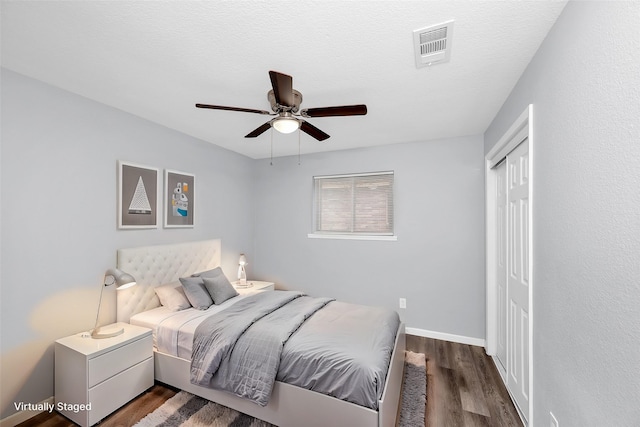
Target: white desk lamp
{"type": "Point", "coordinates": [122, 280]}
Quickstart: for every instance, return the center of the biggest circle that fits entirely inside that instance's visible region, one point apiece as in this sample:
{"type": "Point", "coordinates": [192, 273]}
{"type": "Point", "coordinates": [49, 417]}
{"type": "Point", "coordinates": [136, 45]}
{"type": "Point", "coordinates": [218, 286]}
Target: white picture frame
{"type": "Point", "coordinates": [179, 199]}
{"type": "Point", "coordinates": [138, 196]}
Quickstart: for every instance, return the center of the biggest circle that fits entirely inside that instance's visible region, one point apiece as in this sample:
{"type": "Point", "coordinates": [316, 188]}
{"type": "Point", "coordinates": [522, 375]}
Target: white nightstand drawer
{"type": "Point", "coordinates": [118, 390]}
{"type": "Point", "coordinates": [109, 364]}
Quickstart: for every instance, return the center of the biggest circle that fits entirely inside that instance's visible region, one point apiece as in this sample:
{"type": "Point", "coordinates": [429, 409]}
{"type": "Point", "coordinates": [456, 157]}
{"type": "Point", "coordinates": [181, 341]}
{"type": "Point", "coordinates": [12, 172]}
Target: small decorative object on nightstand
{"type": "Point", "coordinates": [254, 286]}
{"type": "Point", "coordinates": [93, 378]}
{"type": "Point", "coordinates": [242, 272]}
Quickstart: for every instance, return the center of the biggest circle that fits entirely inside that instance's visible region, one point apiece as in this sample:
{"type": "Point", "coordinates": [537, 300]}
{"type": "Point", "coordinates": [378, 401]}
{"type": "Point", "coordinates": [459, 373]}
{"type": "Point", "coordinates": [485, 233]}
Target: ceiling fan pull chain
{"type": "Point", "coordinates": [271, 161]}
{"type": "Point", "coordinates": [298, 146]}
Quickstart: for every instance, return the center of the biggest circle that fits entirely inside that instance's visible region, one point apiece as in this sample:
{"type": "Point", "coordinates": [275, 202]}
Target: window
{"type": "Point", "coordinates": [354, 206]}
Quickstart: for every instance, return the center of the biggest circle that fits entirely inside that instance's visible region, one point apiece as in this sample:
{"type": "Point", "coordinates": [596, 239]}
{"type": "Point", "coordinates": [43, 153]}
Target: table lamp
{"type": "Point", "coordinates": [122, 280]}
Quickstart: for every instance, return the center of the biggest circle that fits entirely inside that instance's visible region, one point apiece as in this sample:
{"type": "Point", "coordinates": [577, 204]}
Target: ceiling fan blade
{"type": "Point", "coordinates": [282, 88]}
{"type": "Point", "coordinates": [258, 131]}
{"type": "Point", "coordinates": [344, 110]}
{"type": "Point", "coordinates": [310, 129]}
{"type": "Point", "coordinates": [222, 107]}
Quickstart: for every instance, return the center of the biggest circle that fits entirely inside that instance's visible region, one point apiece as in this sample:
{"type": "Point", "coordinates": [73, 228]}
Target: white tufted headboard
{"type": "Point", "coordinates": [158, 265]}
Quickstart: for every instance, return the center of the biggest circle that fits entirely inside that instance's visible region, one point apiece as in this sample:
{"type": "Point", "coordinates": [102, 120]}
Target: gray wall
{"type": "Point", "coordinates": [437, 263]}
{"type": "Point", "coordinates": [584, 84]}
{"type": "Point", "coordinates": [59, 235]}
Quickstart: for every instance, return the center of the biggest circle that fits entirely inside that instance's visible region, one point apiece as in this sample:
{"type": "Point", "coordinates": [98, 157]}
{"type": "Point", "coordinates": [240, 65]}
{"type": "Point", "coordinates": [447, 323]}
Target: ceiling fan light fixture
{"type": "Point", "coordinates": [286, 124]}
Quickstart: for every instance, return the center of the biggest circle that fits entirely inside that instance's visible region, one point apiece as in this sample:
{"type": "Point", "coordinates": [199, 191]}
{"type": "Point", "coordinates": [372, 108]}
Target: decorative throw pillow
{"type": "Point", "coordinates": [209, 273]}
{"type": "Point", "coordinates": [172, 296]}
{"type": "Point", "coordinates": [196, 293]}
{"type": "Point", "coordinates": [219, 288]}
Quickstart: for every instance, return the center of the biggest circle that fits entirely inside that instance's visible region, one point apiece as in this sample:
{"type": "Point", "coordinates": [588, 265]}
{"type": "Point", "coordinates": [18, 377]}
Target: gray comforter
{"type": "Point", "coordinates": [338, 349]}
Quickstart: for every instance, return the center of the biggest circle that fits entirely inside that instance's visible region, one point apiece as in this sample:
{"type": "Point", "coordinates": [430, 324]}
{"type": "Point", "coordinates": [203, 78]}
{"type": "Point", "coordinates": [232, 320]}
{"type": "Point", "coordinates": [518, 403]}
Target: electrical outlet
{"type": "Point", "coordinates": [552, 420]}
{"type": "Point", "coordinates": [403, 303]}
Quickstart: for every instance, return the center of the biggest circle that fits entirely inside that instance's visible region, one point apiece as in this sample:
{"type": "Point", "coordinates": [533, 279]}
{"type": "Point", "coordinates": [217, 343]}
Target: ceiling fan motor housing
{"type": "Point", "coordinates": [297, 100]}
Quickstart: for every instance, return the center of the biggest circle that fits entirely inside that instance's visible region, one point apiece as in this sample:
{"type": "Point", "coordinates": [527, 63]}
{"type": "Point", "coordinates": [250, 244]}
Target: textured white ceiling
{"type": "Point", "coordinates": [157, 59]}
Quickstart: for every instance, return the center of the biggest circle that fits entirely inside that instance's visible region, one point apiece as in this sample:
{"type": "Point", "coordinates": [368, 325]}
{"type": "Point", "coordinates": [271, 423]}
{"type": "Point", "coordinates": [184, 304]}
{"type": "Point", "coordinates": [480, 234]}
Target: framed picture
{"type": "Point", "coordinates": [179, 199]}
{"type": "Point", "coordinates": [138, 193]}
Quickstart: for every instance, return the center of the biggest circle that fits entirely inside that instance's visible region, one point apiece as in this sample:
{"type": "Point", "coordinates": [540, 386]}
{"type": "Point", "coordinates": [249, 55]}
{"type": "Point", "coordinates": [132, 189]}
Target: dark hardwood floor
{"type": "Point", "coordinates": [463, 389]}
{"type": "Point", "coordinates": [126, 416]}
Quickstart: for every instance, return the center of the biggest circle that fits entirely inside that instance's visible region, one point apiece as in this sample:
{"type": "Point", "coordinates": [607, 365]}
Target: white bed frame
{"type": "Point", "coordinates": [289, 406]}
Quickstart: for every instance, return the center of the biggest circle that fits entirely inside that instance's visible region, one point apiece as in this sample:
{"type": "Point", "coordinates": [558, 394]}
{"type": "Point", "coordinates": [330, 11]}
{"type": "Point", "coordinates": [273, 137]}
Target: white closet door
{"type": "Point", "coordinates": [518, 276]}
{"type": "Point", "coordinates": [501, 264]}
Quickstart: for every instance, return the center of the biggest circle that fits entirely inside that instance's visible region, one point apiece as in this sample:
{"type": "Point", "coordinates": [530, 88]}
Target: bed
{"type": "Point", "coordinates": [289, 405]}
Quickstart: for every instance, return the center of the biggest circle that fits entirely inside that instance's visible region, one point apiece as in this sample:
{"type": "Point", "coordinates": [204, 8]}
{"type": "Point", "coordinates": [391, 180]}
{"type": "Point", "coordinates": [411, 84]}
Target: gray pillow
{"type": "Point", "coordinates": [196, 293]}
{"type": "Point", "coordinates": [172, 296]}
{"type": "Point", "coordinates": [209, 273]}
{"type": "Point", "coordinates": [219, 288]}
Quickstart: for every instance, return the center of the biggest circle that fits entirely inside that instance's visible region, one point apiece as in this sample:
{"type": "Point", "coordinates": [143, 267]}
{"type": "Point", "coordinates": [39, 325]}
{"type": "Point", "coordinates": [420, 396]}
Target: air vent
{"type": "Point", "coordinates": [433, 44]}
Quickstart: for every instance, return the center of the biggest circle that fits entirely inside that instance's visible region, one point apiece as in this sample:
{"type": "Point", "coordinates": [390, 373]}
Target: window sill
{"type": "Point", "coordinates": [351, 237]}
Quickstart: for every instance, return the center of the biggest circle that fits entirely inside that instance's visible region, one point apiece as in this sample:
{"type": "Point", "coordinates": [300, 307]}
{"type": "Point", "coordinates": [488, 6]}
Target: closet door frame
{"type": "Point", "coordinates": [521, 129]}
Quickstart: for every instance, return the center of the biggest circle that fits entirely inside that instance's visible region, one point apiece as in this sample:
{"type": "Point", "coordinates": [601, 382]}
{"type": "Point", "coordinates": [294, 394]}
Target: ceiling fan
{"type": "Point", "coordinates": [285, 104]}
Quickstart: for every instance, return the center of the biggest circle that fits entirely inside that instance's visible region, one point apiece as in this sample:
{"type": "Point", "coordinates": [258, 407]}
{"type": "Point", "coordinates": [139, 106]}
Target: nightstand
{"type": "Point", "coordinates": [94, 377]}
{"type": "Point", "coordinates": [256, 286]}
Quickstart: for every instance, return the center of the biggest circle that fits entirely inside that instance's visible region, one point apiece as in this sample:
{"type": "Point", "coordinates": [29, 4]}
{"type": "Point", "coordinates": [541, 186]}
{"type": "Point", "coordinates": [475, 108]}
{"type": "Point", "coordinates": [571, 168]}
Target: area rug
{"type": "Point", "coordinates": [187, 410]}
{"type": "Point", "coordinates": [414, 390]}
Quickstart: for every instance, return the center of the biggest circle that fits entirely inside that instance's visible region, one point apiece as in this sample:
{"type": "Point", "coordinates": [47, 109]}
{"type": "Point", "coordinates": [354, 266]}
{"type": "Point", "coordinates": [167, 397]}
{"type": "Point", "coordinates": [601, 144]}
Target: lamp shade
{"type": "Point", "coordinates": [119, 278]}
{"type": "Point", "coordinates": [286, 124]}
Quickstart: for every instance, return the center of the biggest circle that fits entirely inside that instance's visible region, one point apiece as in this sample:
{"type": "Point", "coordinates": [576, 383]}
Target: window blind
{"type": "Point", "coordinates": [354, 204]}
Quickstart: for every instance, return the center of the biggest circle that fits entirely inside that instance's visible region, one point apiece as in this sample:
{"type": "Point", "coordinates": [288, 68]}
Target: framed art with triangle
{"type": "Point", "coordinates": [137, 196]}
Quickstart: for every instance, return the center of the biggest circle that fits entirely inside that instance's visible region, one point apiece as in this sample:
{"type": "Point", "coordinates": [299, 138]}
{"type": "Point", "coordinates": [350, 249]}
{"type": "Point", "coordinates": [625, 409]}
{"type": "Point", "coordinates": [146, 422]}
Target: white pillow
{"type": "Point", "coordinates": [172, 296]}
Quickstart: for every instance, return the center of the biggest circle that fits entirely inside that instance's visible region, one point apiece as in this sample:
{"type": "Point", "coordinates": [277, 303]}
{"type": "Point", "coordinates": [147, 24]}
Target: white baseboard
{"type": "Point", "coordinates": [445, 337]}
{"type": "Point", "coordinates": [501, 371]}
{"type": "Point", "coordinates": [22, 416]}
